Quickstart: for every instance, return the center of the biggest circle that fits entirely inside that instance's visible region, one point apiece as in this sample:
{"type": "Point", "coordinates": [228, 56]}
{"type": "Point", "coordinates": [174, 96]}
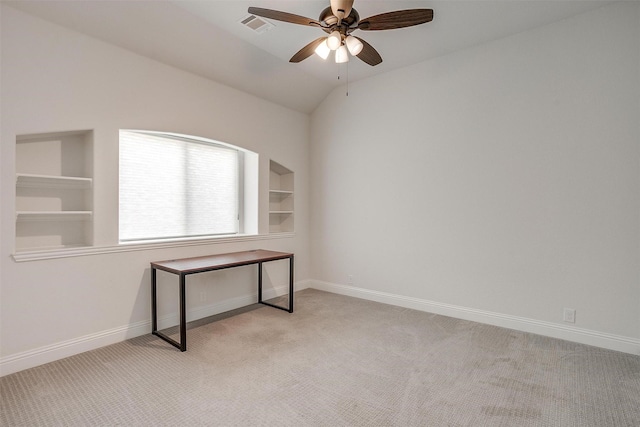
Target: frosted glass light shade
{"type": "Point", "coordinates": [323, 50]}
{"type": "Point", "coordinates": [334, 40]}
{"type": "Point", "coordinates": [354, 45]}
{"type": "Point", "coordinates": [342, 55]}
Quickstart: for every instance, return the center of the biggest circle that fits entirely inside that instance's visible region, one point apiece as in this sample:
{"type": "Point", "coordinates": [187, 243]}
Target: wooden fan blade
{"type": "Point", "coordinates": [283, 16]}
{"type": "Point", "coordinates": [397, 19]}
{"type": "Point", "coordinates": [307, 51]}
{"type": "Point", "coordinates": [369, 54]}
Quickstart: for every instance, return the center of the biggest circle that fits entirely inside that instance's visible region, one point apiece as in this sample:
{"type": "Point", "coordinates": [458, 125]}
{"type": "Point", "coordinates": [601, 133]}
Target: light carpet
{"type": "Point", "coordinates": [336, 361]}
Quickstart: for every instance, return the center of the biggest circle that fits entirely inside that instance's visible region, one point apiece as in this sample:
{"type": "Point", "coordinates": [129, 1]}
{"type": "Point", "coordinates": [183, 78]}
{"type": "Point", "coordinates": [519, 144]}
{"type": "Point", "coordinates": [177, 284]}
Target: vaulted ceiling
{"type": "Point", "coordinates": [207, 38]}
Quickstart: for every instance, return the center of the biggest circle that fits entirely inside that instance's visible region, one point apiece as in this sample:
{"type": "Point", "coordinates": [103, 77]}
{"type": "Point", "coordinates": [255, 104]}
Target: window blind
{"type": "Point", "coordinates": [173, 187]}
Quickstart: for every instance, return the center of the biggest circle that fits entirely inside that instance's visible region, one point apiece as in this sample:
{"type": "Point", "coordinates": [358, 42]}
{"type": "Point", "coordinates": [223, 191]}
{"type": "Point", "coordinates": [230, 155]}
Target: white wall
{"type": "Point", "coordinates": [54, 79]}
{"type": "Point", "coordinates": [500, 183]}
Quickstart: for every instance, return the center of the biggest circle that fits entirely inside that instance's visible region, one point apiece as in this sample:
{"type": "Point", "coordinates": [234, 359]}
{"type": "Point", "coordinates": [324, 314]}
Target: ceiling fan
{"type": "Point", "coordinates": [339, 20]}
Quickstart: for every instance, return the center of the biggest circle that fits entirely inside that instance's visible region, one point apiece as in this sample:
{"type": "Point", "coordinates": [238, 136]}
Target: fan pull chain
{"type": "Point", "coordinates": [347, 79]}
{"type": "Point", "coordinates": [347, 73]}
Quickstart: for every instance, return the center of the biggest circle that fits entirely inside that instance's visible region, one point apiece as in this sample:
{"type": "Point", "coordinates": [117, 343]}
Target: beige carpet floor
{"type": "Point", "coordinates": [336, 361]}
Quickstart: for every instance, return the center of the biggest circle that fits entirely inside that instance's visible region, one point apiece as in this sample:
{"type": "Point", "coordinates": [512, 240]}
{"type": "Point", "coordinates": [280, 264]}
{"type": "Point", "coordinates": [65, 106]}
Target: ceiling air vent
{"type": "Point", "coordinates": [256, 24]}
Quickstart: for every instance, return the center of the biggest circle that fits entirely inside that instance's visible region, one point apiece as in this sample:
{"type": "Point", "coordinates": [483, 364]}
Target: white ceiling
{"type": "Point", "coordinates": [206, 37]}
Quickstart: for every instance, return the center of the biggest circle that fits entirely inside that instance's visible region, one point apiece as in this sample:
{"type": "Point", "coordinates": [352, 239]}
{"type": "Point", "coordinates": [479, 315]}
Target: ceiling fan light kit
{"type": "Point", "coordinates": [323, 50]}
{"type": "Point", "coordinates": [339, 20]}
{"type": "Point", "coordinates": [354, 45]}
{"type": "Point", "coordinates": [342, 55]}
{"type": "Point", "coordinates": [351, 44]}
{"type": "Point", "coordinates": [334, 40]}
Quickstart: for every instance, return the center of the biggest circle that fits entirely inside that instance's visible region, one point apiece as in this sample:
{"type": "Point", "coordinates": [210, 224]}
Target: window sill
{"type": "Point", "coordinates": [37, 255]}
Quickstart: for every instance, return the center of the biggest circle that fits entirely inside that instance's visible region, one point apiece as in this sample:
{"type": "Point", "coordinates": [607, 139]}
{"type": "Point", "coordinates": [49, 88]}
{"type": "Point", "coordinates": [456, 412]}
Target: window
{"type": "Point", "coordinates": [175, 186]}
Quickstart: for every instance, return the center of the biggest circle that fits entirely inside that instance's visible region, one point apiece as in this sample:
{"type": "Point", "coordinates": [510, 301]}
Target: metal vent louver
{"type": "Point", "coordinates": [256, 24]}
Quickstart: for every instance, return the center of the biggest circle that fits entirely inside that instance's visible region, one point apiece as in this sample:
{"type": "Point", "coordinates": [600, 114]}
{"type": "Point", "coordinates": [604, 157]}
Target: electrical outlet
{"type": "Point", "coordinates": [203, 296]}
{"type": "Point", "coordinates": [569, 315]}
{"type": "Point", "coordinates": [350, 279]}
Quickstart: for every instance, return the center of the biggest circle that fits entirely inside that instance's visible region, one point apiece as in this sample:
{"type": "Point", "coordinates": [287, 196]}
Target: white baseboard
{"type": "Point", "coordinates": [31, 358]}
{"type": "Point", "coordinates": [40, 356]}
{"type": "Point", "coordinates": [568, 333]}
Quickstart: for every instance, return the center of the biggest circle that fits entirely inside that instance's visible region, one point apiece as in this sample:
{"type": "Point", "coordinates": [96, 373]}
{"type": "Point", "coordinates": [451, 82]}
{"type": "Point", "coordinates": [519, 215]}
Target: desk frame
{"type": "Point", "coordinates": [186, 266]}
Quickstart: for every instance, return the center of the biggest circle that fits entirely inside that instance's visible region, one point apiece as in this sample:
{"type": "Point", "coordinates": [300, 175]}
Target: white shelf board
{"type": "Point", "coordinates": [43, 251]}
{"type": "Point", "coordinates": [53, 215]}
{"type": "Point", "coordinates": [26, 180]}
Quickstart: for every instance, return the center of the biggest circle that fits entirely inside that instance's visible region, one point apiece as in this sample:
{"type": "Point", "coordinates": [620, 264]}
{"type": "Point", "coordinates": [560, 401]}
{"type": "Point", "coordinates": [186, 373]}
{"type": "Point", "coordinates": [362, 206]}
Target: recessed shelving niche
{"type": "Point", "coordinates": [280, 198]}
{"type": "Point", "coordinates": [54, 190]}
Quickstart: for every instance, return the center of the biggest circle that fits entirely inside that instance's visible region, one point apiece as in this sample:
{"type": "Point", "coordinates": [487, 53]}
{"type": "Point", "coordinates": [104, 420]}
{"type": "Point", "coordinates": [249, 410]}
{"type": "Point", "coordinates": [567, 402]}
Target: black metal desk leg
{"type": "Point", "coordinates": [290, 308]}
{"type": "Point", "coordinates": [154, 304]}
{"type": "Point", "coordinates": [291, 284]}
{"type": "Point", "coordinates": [182, 345]}
{"type": "Point", "coordinates": [259, 282]}
{"type": "Point", "coordinates": [183, 314]}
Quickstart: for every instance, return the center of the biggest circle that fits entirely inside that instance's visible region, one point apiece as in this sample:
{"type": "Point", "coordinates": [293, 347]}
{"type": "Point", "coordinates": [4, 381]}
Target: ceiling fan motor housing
{"type": "Point", "coordinates": [347, 25]}
{"type": "Point", "coordinates": [341, 8]}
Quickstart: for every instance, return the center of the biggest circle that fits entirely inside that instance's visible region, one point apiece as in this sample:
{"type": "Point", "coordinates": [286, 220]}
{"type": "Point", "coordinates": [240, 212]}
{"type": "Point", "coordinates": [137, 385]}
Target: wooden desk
{"type": "Point", "coordinates": [186, 266]}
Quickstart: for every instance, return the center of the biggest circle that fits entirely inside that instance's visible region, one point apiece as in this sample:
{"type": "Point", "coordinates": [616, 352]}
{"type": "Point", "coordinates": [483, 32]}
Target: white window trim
{"type": "Point", "coordinates": [148, 246]}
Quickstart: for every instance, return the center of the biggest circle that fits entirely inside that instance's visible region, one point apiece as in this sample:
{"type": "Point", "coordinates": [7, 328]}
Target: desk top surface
{"type": "Point", "coordinates": [216, 262]}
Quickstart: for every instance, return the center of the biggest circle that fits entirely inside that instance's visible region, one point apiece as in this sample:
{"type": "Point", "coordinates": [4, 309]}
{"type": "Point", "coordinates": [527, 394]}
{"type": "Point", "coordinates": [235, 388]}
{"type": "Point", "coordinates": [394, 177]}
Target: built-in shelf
{"type": "Point", "coordinates": [25, 180]}
{"type": "Point", "coordinates": [53, 215]}
{"type": "Point", "coordinates": [281, 206]}
{"type": "Point", "coordinates": [54, 190]}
